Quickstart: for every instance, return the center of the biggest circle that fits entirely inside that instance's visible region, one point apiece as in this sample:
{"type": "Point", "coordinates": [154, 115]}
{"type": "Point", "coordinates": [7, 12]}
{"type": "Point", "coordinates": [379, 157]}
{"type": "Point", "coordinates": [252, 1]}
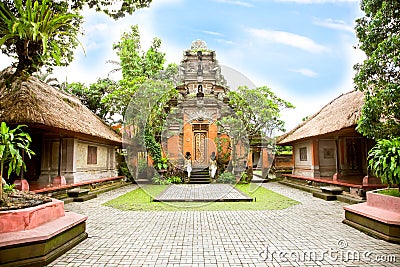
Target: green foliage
{"type": "Point", "coordinates": [142, 164]}
{"type": "Point", "coordinates": [110, 8]}
{"type": "Point", "coordinates": [390, 192]}
{"type": "Point", "coordinates": [92, 96]}
{"type": "Point", "coordinates": [226, 178]}
{"type": "Point", "coordinates": [141, 71]}
{"type": "Point", "coordinates": [12, 143]}
{"type": "Point", "coordinates": [378, 76]}
{"type": "Point", "coordinates": [258, 109]}
{"type": "Point", "coordinates": [136, 62]}
{"type": "Point", "coordinates": [124, 171]}
{"type": "Point", "coordinates": [155, 151]}
{"type": "Point", "coordinates": [224, 152]}
{"type": "Point", "coordinates": [160, 180]}
{"type": "Point", "coordinates": [38, 33]}
{"type": "Point", "coordinates": [140, 200]}
{"type": "Point", "coordinates": [256, 116]}
{"type": "Point", "coordinates": [175, 179]}
{"type": "Point", "coordinates": [384, 161]}
{"type": "Point", "coordinates": [244, 178]}
{"type": "Point", "coordinates": [284, 150]}
{"type": "Point", "coordinates": [9, 188]}
{"type": "Point", "coordinates": [44, 32]}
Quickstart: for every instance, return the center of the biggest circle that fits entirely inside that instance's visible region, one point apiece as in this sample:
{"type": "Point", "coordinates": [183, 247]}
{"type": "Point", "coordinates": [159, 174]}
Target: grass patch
{"type": "Point", "coordinates": [390, 192]}
{"type": "Point", "coordinates": [141, 200]}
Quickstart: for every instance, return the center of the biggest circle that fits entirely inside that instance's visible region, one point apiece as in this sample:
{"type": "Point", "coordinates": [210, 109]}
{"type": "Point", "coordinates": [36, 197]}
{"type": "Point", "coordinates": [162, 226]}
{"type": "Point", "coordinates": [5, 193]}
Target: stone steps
{"type": "Point", "coordinates": [200, 176]}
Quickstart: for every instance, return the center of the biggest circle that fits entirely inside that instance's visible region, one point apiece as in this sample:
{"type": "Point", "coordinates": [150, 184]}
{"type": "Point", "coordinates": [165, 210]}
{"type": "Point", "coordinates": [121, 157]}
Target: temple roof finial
{"type": "Point", "coordinates": [198, 45]}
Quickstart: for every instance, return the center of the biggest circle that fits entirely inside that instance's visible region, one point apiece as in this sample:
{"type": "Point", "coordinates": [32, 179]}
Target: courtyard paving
{"type": "Point", "coordinates": [202, 192]}
{"type": "Point", "coordinates": [308, 234]}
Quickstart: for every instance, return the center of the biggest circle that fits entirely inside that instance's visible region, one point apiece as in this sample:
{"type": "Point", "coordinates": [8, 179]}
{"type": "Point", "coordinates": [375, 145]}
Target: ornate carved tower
{"type": "Point", "coordinates": [192, 123]}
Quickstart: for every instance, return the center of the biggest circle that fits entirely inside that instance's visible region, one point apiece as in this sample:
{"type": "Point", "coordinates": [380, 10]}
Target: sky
{"type": "Point", "coordinates": [302, 49]}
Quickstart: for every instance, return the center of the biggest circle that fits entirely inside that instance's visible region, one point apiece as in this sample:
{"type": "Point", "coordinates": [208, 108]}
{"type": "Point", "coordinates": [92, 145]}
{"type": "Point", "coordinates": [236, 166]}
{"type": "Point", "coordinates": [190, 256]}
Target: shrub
{"type": "Point", "coordinates": [226, 178]}
{"type": "Point", "coordinates": [161, 180]}
{"type": "Point", "coordinates": [174, 180]}
{"type": "Point", "coordinates": [8, 188]}
{"type": "Point", "coordinates": [384, 161]}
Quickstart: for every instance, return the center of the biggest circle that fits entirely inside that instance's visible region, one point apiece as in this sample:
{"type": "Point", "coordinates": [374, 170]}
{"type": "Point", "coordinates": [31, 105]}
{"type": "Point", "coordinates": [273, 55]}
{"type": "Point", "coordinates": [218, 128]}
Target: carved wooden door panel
{"type": "Point", "coordinates": [200, 149]}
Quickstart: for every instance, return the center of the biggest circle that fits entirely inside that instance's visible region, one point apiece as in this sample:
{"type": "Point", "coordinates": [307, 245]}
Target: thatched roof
{"type": "Point", "coordinates": [39, 105]}
{"type": "Point", "coordinates": [342, 112]}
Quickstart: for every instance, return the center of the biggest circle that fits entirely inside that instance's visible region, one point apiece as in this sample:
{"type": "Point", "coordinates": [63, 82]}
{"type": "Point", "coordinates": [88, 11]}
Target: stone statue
{"type": "Point", "coordinates": [213, 165]}
{"type": "Point", "coordinates": [188, 163]}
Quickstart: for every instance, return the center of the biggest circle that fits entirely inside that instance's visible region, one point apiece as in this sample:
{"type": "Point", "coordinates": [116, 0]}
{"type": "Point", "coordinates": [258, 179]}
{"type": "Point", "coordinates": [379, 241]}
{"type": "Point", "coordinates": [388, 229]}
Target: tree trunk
{"type": "Point", "coordinates": [29, 56]}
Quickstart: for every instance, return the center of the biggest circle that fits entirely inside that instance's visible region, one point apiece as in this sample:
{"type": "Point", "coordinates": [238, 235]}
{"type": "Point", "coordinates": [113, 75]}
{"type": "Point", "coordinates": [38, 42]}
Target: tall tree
{"type": "Point", "coordinates": [138, 68]}
{"type": "Point", "coordinates": [255, 118]}
{"type": "Point", "coordinates": [44, 32]}
{"type": "Point", "coordinates": [379, 75]}
{"type": "Point", "coordinates": [38, 33]}
{"type": "Point", "coordinates": [134, 61]}
{"type": "Point", "coordinates": [258, 109]}
{"type": "Point", "coordinates": [92, 96]}
{"type": "Point", "coordinates": [115, 9]}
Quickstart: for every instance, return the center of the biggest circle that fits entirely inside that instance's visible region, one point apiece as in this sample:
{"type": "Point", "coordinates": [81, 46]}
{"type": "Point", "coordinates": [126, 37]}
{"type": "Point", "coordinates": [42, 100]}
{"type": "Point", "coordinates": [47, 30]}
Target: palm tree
{"type": "Point", "coordinates": [38, 33]}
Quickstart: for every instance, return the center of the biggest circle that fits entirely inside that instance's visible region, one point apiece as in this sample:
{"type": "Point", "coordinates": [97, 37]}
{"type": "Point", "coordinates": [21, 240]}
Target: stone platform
{"type": "Point", "coordinates": [38, 235]}
{"type": "Point", "coordinates": [379, 216]}
{"type": "Point", "coordinates": [202, 193]}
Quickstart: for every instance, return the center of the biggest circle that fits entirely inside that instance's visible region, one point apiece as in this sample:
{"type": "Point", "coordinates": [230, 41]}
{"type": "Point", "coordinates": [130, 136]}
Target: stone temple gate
{"type": "Point", "coordinates": [194, 123]}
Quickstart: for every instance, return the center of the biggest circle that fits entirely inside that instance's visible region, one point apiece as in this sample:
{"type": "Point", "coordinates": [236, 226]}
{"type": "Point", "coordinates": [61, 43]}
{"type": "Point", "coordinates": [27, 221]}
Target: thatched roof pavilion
{"type": "Point", "coordinates": [41, 106]}
{"type": "Point", "coordinates": [341, 113]}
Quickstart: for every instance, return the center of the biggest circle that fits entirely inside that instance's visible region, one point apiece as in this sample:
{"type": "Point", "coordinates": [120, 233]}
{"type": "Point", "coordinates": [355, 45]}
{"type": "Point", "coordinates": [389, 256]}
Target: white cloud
{"type": "Point", "coordinates": [161, 3]}
{"type": "Point", "coordinates": [288, 38]}
{"type": "Point", "coordinates": [223, 41]}
{"type": "Point", "coordinates": [305, 72]}
{"type": "Point", "coordinates": [317, 1]}
{"type": "Point", "coordinates": [213, 33]}
{"type": "Point", "coordinates": [334, 24]}
{"type": "Point", "coordinates": [235, 2]}
{"type": "Point", "coordinates": [5, 61]}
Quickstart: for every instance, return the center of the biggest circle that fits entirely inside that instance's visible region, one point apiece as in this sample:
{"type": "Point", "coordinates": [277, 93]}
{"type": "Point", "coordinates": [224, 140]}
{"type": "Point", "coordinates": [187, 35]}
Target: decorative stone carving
{"type": "Point", "coordinates": [198, 45]}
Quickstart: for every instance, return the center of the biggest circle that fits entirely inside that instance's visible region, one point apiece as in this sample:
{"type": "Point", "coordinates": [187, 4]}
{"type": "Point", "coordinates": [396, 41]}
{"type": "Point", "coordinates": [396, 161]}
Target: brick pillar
{"type": "Point", "coordinates": [265, 162]}
{"type": "Point", "coordinates": [212, 134]}
{"type": "Point", "coordinates": [173, 148]}
{"type": "Point", "coordinates": [315, 158]}
{"type": "Point", "coordinates": [187, 137]}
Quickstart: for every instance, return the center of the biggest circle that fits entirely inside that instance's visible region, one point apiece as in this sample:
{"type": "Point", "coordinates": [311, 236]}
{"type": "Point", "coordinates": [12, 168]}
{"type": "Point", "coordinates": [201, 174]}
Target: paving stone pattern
{"type": "Point", "coordinates": [201, 192]}
{"type": "Point", "coordinates": [308, 234]}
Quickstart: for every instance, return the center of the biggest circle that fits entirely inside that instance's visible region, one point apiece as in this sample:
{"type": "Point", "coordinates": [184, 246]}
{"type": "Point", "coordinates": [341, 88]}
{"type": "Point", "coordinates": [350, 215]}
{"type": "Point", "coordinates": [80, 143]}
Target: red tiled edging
{"type": "Point", "coordinates": [38, 235]}
{"type": "Point", "coordinates": [336, 182]}
{"type": "Point", "coordinates": [69, 186]}
{"type": "Point", "coordinates": [29, 218]}
{"type": "Point", "coordinates": [379, 216]}
{"type": "Point", "coordinates": [43, 244]}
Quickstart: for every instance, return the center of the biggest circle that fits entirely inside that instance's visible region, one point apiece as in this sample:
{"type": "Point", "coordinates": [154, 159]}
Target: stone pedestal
{"type": "Point", "coordinates": [379, 216]}
{"type": "Point", "coordinates": [38, 235]}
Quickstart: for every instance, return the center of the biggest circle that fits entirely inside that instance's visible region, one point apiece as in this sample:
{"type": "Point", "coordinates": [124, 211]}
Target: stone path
{"type": "Point", "coordinates": [202, 192]}
{"type": "Point", "coordinates": [308, 234]}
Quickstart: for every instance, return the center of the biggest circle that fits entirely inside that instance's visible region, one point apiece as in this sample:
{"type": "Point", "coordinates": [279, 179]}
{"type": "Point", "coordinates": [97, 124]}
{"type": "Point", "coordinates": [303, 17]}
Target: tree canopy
{"type": "Point", "coordinates": [379, 75]}
{"type": "Point", "coordinates": [258, 109]}
{"type": "Point", "coordinates": [92, 96]}
{"type": "Point", "coordinates": [38, 33]}
{"type": "Point", "coordinates": [138, 68]}
{"type": "Point", "coordinates": [44, 32]}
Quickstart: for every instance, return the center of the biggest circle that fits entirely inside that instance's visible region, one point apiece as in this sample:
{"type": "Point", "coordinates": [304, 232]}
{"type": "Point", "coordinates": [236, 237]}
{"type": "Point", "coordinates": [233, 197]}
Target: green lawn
{"type": "Point", "coordinates": [141, 200]}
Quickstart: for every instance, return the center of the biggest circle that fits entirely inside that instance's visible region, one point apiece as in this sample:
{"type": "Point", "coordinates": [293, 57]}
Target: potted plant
{"type": "Point", "coordinates": [12, 144]}
{"type": "Point", "coordinates": [384, 161]}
